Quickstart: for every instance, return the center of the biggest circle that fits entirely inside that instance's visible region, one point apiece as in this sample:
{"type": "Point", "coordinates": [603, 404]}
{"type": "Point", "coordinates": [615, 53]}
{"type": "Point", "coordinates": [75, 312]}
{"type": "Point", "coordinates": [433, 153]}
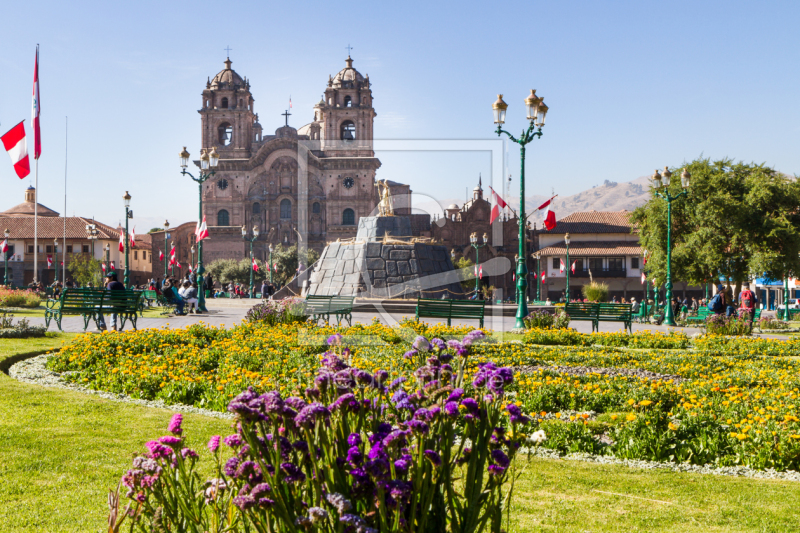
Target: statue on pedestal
{"type": "Point", "coordinates": [385, 208]}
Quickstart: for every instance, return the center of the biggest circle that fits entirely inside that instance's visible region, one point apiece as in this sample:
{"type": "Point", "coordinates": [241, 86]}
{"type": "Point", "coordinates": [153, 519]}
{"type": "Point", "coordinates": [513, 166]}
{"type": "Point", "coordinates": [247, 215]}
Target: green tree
{"type": "Point", "coordinates": [85, 270]}
{"type": "Point", "coordinates": [153, 230]}
{"type": "Point", "coordinates": [467, 283]}
{"type": "Point", "coordinates": [287, 260]}
{"type": "Point", "coordinates": [738, 220]}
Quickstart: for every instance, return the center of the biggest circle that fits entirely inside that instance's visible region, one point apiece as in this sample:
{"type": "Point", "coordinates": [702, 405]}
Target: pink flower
{"type": "Point", "coordinates": [175, 424]}
{"type": "Point", "coordinates": [213, 443]}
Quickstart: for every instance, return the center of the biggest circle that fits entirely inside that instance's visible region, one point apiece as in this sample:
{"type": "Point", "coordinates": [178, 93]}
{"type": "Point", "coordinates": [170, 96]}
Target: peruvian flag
{"type": "Point", "coordinates": [112, 267]}
{"type": "Point", "coordinates": [35, 109]}
{"type": "Point", "coordinates": [573, 266]}
{"type": "Point", "coordinates": [476, 271]}
{"type": "Point", "coordinates": [255, 265]}
{"type": "Point", "coordinates": [4, 246]}
{"type": "Point", "coordinates": [49, 261]}
{"type": "Point", "coordinates": [121, 242]}
{"type": "Point", "coordinates": [201, 231]}
{"type": "Point", "coordinates": [266, 265]}
{"type": "Point", "coordinates": [549, 216]}
{"type": "Point", "coordinates": [645, 257]}
{"type": "Point", "coordinates": [544, 277]}
{"type": "Point", "coordinates": [561, 269]}
{"type": "Point", "coordinates": [160, 255]}
{"type": "Point", "coordinates": [480, 272]}
{"type": "Point", "coordinates": [177, 264]}
{"type": "Point", "coordinates": [133, 237]}
{"type": "Point", "coordinates": [103, 266]}
{"type": "Point", "coordinates": [644, 278]}
{"type": "Point", "coordinates": [497, 203]}
{"type": "Point", "coordinates": [190, 269]}
{"type": "Point", "coordinates": [17, 147]}
{"type": "Point", "coordinates": [172, 256]}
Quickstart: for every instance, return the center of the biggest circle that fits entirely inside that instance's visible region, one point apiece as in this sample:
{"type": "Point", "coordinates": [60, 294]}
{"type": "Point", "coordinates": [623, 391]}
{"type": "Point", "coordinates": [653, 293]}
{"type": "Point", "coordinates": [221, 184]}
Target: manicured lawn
{"type": "Point", "coordinates": [19, 312]}
{"type": "Point", "coordinates": [62, 451]}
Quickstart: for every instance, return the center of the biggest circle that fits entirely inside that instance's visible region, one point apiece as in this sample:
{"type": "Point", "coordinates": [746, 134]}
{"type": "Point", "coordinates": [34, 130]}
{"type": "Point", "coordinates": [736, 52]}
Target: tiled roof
{"type": "Point", "coordinates": [594, 222]}
{"type": "Point", "coordinates": [593, 248]}
{"type": "Point", "coordinates": [52, 227]}
{"type": "Point", "coordinates": [27, 209]}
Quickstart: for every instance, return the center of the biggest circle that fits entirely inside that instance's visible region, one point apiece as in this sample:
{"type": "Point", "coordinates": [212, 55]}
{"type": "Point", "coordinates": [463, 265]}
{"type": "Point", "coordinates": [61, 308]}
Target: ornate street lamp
{"type": "Point", "coordinates": [252, 240]}
{"type": "Point", "coordinates": [108, 259]}
{"type": "Point", "coordinates": [191, 265]}
{"type": "Point", "coordinates": [661, 182]}
{"type": "Point", "coordinates": [536, 112]}
{"type": "Point", "coordinates": [207, 160]}
{"type": "Point", "coordinates": [473, 241]}
{"type": "Point", "coordinates": [566, 241]}
{"type": "Point", "coordinates": [166, 238]}
{"type": "Point", "coordinates": [6, 233]}
{"type": "Point", "coordinates": [537, 256]}
{"type": "Point", "coordinates": [270, 262]}
{"type": "Point", "coordinates": [128, 215]}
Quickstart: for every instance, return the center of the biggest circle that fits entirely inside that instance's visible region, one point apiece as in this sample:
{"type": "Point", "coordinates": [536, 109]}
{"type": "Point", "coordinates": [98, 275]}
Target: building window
{"type": "Point", "coordinates": [224, 103]}
{"type": "Point", "coordinates": [616, 263]}
{"type": "Point", "coordinates": [49, 249]}
{"type": "Point", "coordinates": [634, 262]}
{"type": "Point", "coordinates": [348, 102]}
{"type": "Point", "coordinates": [348, 217]}
{"type": "Point", "coordinates": [85, 248]}
{"type": "Point", "coordinates": [30, 249]}
{"type": "Point", "coordinates": [256, 208]}
{"type": "Point", "coordinates": [135, 254]}
{"type": "Point", "coordinates": [348, 131]}
{"type": "Point", "coordinates": [225, 134]}
{"type": "Point", "coordinates": [286, 209]}
{"type": "Point", "coordinates": [69, 248]}
{"type": "Point", "coordinates": [578, 265]}
{"type": "Point", "coordinates": [596, 264]}
{"type": "Point", "coordinates": [10, 253]}
{"type": "Point", "coordinates": [556, 263]}
{"type": "Point", "coordinates": [223, 218]}
{"type": "Point", "coordinates": [316, 208]}
{"type": "Point", "coordinates": [144, 254]}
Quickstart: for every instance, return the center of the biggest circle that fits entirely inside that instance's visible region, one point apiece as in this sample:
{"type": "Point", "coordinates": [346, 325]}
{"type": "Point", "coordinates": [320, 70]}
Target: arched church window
{"type": "Point", "coordinates": [286, 208]}
{"type": "Point", "coordinates": [256, 208]}
{"type": "Point", "coordinates": [348, 217]}
{"type": "Point", "coordinates": [224, 104]}
{"type": "Point", "coordinates": [225, 134]}
{"type": "Point", "coordinates": [223, 219]}
{"type": "Point", "coordinates": [241, 102]}
{"type": "Point", "coordinates": [348, 102]}
{"type": "Point", "coordinates": [348, 131]}
{"type": "Point", "coordinates": [316, 208]}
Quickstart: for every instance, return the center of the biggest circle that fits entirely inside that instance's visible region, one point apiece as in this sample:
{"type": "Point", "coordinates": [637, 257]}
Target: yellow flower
{"type": "Point", "coordinates": [631, 417]}
{"type": "Point", "coordinates": [672, 426]}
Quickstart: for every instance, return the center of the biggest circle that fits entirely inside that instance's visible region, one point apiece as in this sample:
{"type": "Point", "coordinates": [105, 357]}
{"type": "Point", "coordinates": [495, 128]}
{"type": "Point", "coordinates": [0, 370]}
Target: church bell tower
{"type": "Point", "coordinates": [228, 119]}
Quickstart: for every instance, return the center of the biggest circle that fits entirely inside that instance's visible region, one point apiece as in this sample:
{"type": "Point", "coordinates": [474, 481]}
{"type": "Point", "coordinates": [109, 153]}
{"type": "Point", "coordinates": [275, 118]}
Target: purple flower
{"type": "Point", "coordinates": [333, 363]}
{"type": "Point", "coordinates": [396, 437]}
{"type": "Point", "coordinates": [402, 400]}
{"type": "Point", "coordinates": [455, 395]}
{"type": "Point", "coordinates": [433, 457]}
{"type": "Point", "coordinates": [365, 378]}
{"type": "Point", "coordinates": [309, 415]}
{"type": "Point", "coordinates": [451, 409]}
{"type": "Point", "coordinates": [272, 402]}
{"type": "Point", "coordinates": [344, 380]}
{"type": "Point", "coordinates": [381, 376]}
{"type": "Point", "coordinates": [169, 440]}
{"type": "Point", "coordinates": [354, 439]}
{"type": "Point", "coordinates": [410, 354]}
{"type": "Point", "coordinates": [496, 470]}
{"type": "Point", "coordinates": [335, 340]}
{"type": "Point", "coordinates": [421, 344]}
{"type": "Point", "coordinates": [265, 503]}
{"type": "Point", "coordinates": [188, 453]}
{"type": "Point", "coordinates": [500, 458]}
{"type": "Point", "coordinates": [438, 344]}
{"type": "Point", "coordinates": [341, 503]}
{"type": "Point", "coordinates": [292, 473]}
{"type": "Point", "coordinates": [356, 521]}
{"type": "Point", "coordinates": [396, 383]}
{"type": "Point", "coordinates": [401, 465]}
{"type": "Point", "coordinates": [213, 443]}
{"type": "Point", "coordinates": [175, 424]}
{"type": "Point", "coordinates": [454, 344]}
{"type": "Point", "coordinates": [471, 405]}
{"type": "Point", "coordinates": [158, 450]}
{"type": "Point", "coordinates": [345, 402]}
{"type": "Point", "coordinates": [230, 466]}
{"type": "Point", "coordinates": [313, 393]}
{"type": "Point", "coordinates": [246, 405]}
{"type": "Point", "coordinates": [317, 514]}
{"type": "Point", "coordinates": [354, 456]}
{"type": "Point", "coordinates": [295, 403]}
{"type": "Point", "coordinates": [260, 489]}
{"type": "Point", "coordinates": [233, 441]}
{"type": "Point", "coordinates": [515, 414]}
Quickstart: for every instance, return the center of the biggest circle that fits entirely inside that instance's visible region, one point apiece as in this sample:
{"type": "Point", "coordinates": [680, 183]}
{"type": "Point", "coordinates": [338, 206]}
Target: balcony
{"type": "Point", "coordinates": [622, 273]}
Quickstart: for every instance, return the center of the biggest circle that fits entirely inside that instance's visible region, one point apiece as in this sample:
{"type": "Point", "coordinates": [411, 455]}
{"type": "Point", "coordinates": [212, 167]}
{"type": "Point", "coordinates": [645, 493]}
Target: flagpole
{"type": "Point", "coordinates": [36, 224]}
{"type": "Point", "coordinates": [64, 243]}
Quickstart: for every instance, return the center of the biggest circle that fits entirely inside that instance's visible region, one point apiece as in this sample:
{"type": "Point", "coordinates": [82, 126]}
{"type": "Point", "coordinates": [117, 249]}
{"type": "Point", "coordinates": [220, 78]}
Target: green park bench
{"type": "Point", "coordinates": [614, 313]}
{"type": "Point", "coordinates": [450, 309]}
{"type": "Point", "coordinates": [581, 312]}
{"type": "Point", "coordinates": [792, 313]}
{"type": "Point", "coordinates": [702, 314]}
{"type": "Point", "coordinates": [322, 307]}
{"type": "Point", "coordinates": [90, 303]}
{"type": "Point", "coordinates": [538, 302]}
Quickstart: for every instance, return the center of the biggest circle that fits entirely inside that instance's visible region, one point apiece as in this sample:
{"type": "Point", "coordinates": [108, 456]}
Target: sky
{"type": "Point", "coordinates": [631, 86]}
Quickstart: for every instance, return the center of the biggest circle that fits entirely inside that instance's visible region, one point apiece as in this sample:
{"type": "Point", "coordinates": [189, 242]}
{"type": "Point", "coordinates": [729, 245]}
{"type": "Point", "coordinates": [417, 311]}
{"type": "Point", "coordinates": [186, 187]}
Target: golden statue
{"type": "Point", "coordinates": [385, 208]}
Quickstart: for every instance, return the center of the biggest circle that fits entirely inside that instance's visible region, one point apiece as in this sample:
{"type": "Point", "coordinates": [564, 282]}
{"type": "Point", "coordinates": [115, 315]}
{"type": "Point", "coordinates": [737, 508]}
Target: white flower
{"type": "Point", "coordinates": [537, 437]}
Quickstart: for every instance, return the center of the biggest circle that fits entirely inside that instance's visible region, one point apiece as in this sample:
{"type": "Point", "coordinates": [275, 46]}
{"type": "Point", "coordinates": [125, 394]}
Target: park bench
{"type": "Point", "coordinates": [90, 303]}
{"type": "Point", "coordinates": [322, 307]}
{"type": "Point", "coordinates": [614, 313]}
{"type": "Point", "coordinates": [702, 314]}
{"type": "Point", "coordinates": [538, 302]}
{"type": "Point", "coordinates": [781, 311]}
{"type": "Point", "coordinates": [450, 309]}
{"type": "Point", "coordinates": [581, 312]}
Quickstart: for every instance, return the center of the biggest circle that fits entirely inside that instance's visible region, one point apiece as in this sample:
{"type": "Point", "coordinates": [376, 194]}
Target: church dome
{"type": "Point", "coordinates": [347, 75]}
{"type": "Point", "coordinates": [227, 78]}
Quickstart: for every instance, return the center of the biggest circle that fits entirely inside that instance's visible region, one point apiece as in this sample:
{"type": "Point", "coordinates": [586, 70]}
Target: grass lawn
{"type": "Point", "coordinates": [62, 451]}
{"type": "Point", "coordinates": [19, 312]}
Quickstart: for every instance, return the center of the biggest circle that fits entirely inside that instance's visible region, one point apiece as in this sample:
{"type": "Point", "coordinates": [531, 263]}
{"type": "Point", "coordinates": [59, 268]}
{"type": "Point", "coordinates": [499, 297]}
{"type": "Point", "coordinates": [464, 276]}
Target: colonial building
{"type": "Point", "coordinates": [309, 184]}
{"type": "Point", "coordinates": [19, 221]}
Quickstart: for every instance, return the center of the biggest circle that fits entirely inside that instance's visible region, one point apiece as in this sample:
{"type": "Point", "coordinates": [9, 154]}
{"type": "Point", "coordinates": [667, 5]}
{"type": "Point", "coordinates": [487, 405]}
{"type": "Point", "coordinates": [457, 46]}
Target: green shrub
{"type": "Point", "coordinates": [596, 292]}
{"type": "Point", "coordinates": [19, 298]}
{"type": "Point", "coordinates": [547, 320]}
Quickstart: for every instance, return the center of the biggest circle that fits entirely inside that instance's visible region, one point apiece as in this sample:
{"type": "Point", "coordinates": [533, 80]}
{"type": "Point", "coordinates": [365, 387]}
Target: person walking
{"type": "Point", "coordinates": [717, 304]}
{"type": "Point", "coordinates": [730, 303]}
{"type": "Point", "coordinates": [112, 284]}
{"type": "Point", "coordinates": [747, 303]}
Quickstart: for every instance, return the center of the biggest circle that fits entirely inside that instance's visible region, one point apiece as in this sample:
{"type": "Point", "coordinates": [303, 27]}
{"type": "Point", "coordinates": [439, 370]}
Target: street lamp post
{"type": "Point", "coordinates": [661, 183]}
{"type": "Point", "coordinates": [6, 233]}
{"type": "Point", "coordinates": [537, 111]}
{"type": "Point", "coordinates": [166, 239]}
{"type": "Point", "coordinates": [91, 234]}
{"type": "Point", "coordinates": [55, 252]}
{"type": "Point", "coordinates": [207, 160]}
{"type": "Point", "coordinates": [128, 215]}
{"type": "Point", "coordinates": [538, 255]}
{"type": "Point", "coordinates": [108, 260]}
{"type": "Point", "coordinates": [566, 241]}
{"type": "Point", "coordinates": [191, 250]}
{"type": "Point", "coordinates": [270, 262]}
{"type": "Point", "coordinates": [252, 240]}
{"type": "Point", "coordinates": [473, 241]}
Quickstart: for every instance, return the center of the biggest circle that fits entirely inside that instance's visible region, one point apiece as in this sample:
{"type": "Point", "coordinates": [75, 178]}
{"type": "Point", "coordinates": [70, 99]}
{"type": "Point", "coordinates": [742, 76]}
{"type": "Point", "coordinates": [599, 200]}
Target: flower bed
{"type": "Point", "coordinates": [272, 312]}
{"type": "Point", "coordinates": [640, 339]}
{"type": "Point", "coordinates": [740, 409]}
{"type": "Point", "coordinates": [19, 298]}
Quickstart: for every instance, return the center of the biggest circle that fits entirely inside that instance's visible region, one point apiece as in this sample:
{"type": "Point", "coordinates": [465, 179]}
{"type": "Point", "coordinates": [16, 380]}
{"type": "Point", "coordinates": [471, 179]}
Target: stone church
{"type": "Point", "coordinates": [308, 185]}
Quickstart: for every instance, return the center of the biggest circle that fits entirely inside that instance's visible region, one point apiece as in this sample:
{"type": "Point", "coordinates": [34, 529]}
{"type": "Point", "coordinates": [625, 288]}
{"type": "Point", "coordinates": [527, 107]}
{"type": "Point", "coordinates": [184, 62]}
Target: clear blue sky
{"type": "Point", "coordinates": [631, 86]}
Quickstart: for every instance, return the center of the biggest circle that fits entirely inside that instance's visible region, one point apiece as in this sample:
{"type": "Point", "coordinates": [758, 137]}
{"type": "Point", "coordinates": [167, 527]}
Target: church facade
{"type": "Point", "coordinates": [308, 185]}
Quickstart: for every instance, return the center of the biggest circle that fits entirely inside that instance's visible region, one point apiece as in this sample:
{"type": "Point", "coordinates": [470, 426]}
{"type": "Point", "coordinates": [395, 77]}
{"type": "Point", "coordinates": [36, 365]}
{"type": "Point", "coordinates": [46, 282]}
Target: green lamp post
{"type": "Point", "coordinates": [108, 260]}
{"type": "Point", "coordinates": [208, 160]}
{"type": "Point", "coordinates": [538, 256]}
{"type": "Point", "coordinates": [128, 215]}
{"type": "Point", "coordinates": [252, 240]}
{"type": "Point", "coordinates": [473, 241]}
{"type": "Point", "coordinates": [55, 252]}
{"type": "Point", "coordinates": [786, 316]}
{"type": "Point", "coordinates": [191, 252]}
{"type": "Point", "coordinates": [6, 233]}
{"type": "Point", "coordinates": [92, 233]}
{"type": "Point", "coordinates": [566, 241]}
{"type": "Point", "coordinates": [271, 266]}
{"type": "Point", "coordinates": [661, 183]}
{"type": "Point", "coordinates": [166, 243]}
{"type": "Point", "coordinates": [537, 111]}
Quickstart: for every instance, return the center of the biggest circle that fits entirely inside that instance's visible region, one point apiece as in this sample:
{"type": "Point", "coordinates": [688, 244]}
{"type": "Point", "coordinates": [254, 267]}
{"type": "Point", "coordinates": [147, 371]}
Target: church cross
{"type": "Point", "coordinates": [287, 115]}
{"type": "Point", "coordinates": [348, 48]}
{"type": "Point", "coordinates": [228, 50]}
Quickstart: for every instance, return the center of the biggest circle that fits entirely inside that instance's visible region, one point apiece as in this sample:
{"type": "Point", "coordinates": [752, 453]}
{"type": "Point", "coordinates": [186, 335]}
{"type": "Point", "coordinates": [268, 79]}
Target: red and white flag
{"type": "Point", "coordinates": [514, 276]}
{"type": "Point", "coordinates": [49, 261]}
{"type": "Point", "coordinates": [561, 269]}
{"type": "Point", "coordinates": [544, 277]}
{"type": "Point", "coordinates": [549, 216]}
{"type": "Point", "coordinates": [4, 247]}
{"type": "Point", "coordinates": [160, 255]}
{"type": "Point", "coordinates": [172, 256]}
{"type": "Point", "coordinates": [17, 147]}
{"type": "Point", "coordinates": [645, 257]}
{"type": "Point", "coordinates": [266, 265]}
{"type": "Point", "coordinates": [201, 231]}
{"type": "Point", "coordinates": [112, 267]}
{"type": "Point", "coordinates": [255, 265]}
{"type": "Point", "coordinates": [190, 269]}
{"type": "Point", "coordinates": [497, 203]}
{"type": "Point", "coordinates": [121, 242]}
{"type": "Point", "coordinates": [476, 271]}
{"type": "Point", "coordinates": [573, 266]}
{"type": "Point", "coordinates": [644, 278]}
{"type": "Point", "coordinates": [480, 272]}
{"type": "Point", "coordinates": [36, 108]}
{"type": "Point", "coordinates": [103, 266]}
{"type": "Point", "coordinates": [133, 237]}
{"type": "Point", "coordinates": [177, 264]}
